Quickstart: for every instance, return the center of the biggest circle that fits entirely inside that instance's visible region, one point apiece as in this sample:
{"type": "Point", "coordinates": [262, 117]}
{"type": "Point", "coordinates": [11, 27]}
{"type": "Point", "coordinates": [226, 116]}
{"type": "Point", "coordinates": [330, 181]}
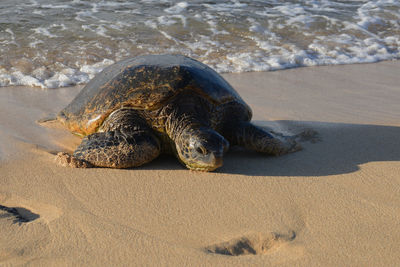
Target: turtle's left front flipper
{"type": "Point", "coordinates": [256, 138]}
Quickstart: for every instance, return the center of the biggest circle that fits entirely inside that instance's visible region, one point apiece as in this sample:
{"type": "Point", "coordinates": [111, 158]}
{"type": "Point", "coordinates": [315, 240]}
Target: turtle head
{"type": "Point", "coordinates": [201, 149]}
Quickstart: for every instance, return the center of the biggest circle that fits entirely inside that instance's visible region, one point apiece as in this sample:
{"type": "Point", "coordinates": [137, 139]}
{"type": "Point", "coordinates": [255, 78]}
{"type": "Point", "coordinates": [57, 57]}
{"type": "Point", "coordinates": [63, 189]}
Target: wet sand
{"type": "Point", "coordinates": [335, 203]}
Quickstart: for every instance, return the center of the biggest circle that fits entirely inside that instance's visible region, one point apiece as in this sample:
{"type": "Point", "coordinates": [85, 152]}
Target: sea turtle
{"type": "Point", "coordinates": [140, 107]}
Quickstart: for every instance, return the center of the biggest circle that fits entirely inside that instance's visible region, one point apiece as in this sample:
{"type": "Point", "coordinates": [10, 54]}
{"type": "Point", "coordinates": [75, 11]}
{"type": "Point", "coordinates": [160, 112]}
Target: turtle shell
{"type": "Point", "coordinates": [144, 83]}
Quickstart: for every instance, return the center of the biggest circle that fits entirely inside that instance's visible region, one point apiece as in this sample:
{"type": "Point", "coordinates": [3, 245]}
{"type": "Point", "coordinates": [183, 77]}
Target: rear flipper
{"type": "Point", "coordinates": [255, 138]}
{"type": "Point", "coordinates": [47, 118]}
{"type": "Point", "coordinates": [121, 148]}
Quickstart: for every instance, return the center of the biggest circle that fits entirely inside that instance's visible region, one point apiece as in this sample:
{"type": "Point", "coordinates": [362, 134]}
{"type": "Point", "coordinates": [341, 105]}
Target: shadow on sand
{"type": "Point", "coordinates": [342, 149]}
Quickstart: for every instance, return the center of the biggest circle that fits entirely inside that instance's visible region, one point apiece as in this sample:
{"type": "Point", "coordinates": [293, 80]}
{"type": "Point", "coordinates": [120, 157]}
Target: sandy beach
{"type": "Point", "coordinates": [335, 203]}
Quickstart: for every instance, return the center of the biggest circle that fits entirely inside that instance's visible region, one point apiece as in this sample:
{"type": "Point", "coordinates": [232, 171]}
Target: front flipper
{"type": "Point", "coordinates": [255, 138]}
{"type": "Point", "coordinates": [116, 149]}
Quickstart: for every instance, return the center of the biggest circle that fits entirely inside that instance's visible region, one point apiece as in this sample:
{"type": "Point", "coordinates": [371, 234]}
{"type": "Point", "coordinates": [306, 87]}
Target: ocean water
{"type": "Point", "coordinates": [55, 43]}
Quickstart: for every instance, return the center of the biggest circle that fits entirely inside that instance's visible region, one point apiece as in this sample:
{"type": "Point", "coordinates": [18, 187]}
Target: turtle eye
{"type": "Point", "coordinates": [201, 150]}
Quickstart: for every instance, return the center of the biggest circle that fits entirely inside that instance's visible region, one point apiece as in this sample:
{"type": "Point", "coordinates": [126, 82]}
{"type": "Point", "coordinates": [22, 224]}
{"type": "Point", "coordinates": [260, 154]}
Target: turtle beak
{"type": "Point", "coordinates": [210, 164]}
{"type": "Point", "coordinates": [216, 160]}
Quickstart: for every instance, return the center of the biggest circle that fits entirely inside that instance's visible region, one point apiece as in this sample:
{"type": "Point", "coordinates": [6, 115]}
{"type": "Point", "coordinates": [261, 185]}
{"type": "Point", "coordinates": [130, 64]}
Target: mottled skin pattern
{"type": "Point", "coordinates": [124, 140]}
{"type": "Point", "coordinates": [141, 107]}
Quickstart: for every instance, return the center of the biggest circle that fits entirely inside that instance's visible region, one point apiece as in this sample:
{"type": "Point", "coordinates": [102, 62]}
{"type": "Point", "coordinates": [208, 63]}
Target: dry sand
{"type": "Point", "coordinates": [335, 203]}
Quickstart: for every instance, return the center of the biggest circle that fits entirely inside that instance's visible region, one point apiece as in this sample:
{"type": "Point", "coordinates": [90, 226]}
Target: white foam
{"type": "Point", "coordinates": [17, 78]}
{"type": "Point", "coordinates": [290, 10]}
{"type": "Point", "coordinates": [92, 70]}
{"type": "Point", "coordinates": [59, 25]}
{"type": "Point", "coordinates": [94, 8]}
{"type": "Point", "coordinates": [171, 19]}
{"type": "Point", "coordinates": [35, 43]}
{"type": "Point", "coordinates": [43, 78]}
{"type": "Point", "coordinates": [68, 47]}
{"type": "Point", "coordinates": [169, 37]}
{"type": "Point", "coordinates": [225, 6]}
{"type": "Point", "coordinates": [177, 8]}
{"type": "Point", "coordinates": [84, 15]}
{"type": "Point", "coordinates": [9, 38]}
{"type": "Point", "coordinates": [38, 12]}
{"type": "Point", "coordinates": [150, 24]}
{"type": "Point", "coordinates": [52, 6]}
{"type": "Point", "coordinates": [166, 20]}
{"type": "Point", "coordinates": [44, 31]}
{"type": "Point", "coordinates": [97, 29]}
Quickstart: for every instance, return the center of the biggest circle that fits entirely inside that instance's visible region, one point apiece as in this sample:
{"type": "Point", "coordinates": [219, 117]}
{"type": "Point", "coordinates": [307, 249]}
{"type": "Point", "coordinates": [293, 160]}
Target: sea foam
{"type": "Point", "coordinates": [53, 43]}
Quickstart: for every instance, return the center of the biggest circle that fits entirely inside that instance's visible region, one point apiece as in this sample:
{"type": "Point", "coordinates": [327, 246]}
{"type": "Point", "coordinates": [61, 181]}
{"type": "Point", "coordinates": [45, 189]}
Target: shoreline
{"type": "Point", "coordinates": [334, 203]}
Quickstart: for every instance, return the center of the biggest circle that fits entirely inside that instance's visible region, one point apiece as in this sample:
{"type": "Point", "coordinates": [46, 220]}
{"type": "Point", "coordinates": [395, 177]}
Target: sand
{"type": "Point", "coordinates": [335, 203]}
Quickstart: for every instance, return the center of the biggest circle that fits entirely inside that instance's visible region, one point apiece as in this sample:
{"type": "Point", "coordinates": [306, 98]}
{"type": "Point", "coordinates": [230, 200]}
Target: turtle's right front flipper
{"type": "Point", "coordinates": [118, 149]}
{"type": "Point", "coordinates": [125, 141]}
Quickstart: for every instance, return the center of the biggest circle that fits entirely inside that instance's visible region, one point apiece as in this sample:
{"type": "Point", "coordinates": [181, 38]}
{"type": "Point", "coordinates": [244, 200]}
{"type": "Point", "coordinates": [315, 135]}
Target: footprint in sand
{"type": "Point", "coordinates": [255, 244]}
{"type": "Point", "coordinates": [23, 210]}
{"type": "Point", "coordinates": [19, 215]}
{"type": "Point", "coordinates": [25, 232]}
